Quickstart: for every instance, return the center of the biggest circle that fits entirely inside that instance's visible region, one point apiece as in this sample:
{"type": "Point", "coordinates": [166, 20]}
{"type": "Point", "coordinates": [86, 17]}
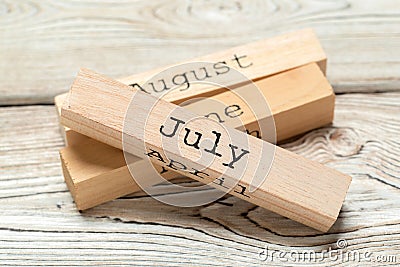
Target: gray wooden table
{"type": "Point", "coordinates": [42, 45]}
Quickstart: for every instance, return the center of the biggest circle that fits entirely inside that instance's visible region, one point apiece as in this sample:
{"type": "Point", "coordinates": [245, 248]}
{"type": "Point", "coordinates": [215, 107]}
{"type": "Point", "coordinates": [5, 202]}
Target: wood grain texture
{"type": "Point", "coordinates": [43, 39]}
{"type": "Point", "coordinates": [40, 224]}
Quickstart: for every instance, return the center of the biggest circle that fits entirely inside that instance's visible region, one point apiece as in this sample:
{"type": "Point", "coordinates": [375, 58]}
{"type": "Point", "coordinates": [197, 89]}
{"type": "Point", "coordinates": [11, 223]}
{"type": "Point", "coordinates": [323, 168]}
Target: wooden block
{"type": "Point", "coordinates": [96, 173]}
{"type": "Point", "coordinates": [301, 99]}
{"type": "Point", "coordinates": [294, 187]}
{"type": "Point", "coordinates": [58, 102]}
{"type": "Point", "coordinates": [255, 60]}
{"type": "Point", "coordinates": [278, 54]}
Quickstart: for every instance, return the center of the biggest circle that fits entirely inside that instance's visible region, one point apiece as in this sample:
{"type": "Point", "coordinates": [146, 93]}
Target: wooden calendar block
{"type": "Point", "coordinates": [300, 100]}
{"type": "Point", "coordinates": [295, 187]}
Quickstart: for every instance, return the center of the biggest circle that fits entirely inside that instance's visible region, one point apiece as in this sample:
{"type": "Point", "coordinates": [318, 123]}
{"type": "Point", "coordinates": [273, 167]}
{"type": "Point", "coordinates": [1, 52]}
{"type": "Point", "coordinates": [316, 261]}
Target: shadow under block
{"type": "Point", "coordinates": [294, 187]}
{"type": "Point", "coordinates": [300, 100]}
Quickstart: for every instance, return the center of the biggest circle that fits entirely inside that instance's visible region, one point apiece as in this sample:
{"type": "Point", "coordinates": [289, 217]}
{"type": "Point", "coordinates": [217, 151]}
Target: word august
{"type": "Point", "coordinates": [183, 80]}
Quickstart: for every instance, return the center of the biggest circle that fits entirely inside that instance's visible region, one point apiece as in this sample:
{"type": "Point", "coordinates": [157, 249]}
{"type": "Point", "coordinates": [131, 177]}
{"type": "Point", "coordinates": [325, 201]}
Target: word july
{"type": "Point", "coordinates": [235, 157]}
{"type": "Point", "coordinates": [203, 73]}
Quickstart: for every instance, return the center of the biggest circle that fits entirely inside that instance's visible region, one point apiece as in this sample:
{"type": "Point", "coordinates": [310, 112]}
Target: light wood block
{"type": "Point", "coordinates": [255, 60]}
{"type": "Point", "coordinates": [294, 187]}
{"type": "Point", "coordinates": [267, 57]}
{"type": "Point", "coordinates": [300, 100]}
{"type": "Point", "coordinates": [96, 173]}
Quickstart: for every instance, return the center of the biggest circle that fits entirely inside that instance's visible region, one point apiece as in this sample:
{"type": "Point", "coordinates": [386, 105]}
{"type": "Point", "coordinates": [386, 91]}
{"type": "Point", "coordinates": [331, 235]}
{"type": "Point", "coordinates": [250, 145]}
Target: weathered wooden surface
{"type": "Point", "coordinates": [43, 43]}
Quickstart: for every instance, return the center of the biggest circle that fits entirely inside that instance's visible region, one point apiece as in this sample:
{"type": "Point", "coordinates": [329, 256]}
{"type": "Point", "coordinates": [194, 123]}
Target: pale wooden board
{"type": "Point", "coordinates": [43, 42]}
{"type": "Point", "coordinates": [40, 225]}
{"type": "Point", "coordinates": [42, 45]}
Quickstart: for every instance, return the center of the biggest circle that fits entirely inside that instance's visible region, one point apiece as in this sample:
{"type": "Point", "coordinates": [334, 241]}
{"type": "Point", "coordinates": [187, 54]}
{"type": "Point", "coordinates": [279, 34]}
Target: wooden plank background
{"type": "Point", "coordinates": [42, 45]}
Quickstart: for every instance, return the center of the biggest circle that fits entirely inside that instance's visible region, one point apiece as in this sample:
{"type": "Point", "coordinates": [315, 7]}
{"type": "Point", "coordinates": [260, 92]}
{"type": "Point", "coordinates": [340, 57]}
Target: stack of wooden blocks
{"type": "Point", "coordinates": [289, 71]}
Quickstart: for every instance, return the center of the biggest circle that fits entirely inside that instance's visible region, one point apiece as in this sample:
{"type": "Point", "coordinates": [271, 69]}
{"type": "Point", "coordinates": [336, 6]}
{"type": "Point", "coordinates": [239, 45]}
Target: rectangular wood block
{"type": "Point", "coordinates": [254, 60]}
{"type": "Point", "coordinates": [270, 56]}
{"type": "Point", "coordinates": [300, 100]}
{"type": "Point", "coordinates": [295, 187]}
